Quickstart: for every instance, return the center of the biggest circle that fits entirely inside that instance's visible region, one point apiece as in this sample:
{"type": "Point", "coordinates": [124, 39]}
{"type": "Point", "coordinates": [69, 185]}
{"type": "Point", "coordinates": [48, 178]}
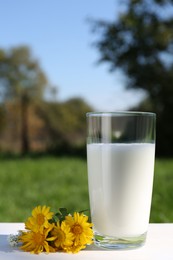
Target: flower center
{"type": "Point", "coordinates": [38, 238]}
{"type": "Point", "coordinates": [40, 219]}
{"type": "Point", "coordinates": [77, 229]}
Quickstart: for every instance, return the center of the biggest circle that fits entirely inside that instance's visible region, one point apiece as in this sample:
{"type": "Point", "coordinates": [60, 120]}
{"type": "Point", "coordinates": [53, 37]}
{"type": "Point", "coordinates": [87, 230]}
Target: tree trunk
{"type": "Point", "coordinates": [24, 126]}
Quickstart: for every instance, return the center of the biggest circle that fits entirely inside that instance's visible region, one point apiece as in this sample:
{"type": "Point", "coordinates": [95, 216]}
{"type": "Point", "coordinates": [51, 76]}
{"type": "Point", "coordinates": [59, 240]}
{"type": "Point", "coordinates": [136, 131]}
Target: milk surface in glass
{"type": "Point", "coordinates": [120, 179]}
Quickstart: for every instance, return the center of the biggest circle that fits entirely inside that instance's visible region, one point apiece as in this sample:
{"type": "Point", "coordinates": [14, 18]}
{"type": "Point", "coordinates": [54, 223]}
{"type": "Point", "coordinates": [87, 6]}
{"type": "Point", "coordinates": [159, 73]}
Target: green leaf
{"type": "Point", "coordinates": [84, 210]}
{"type": "Point", "coordinates": [61, 214]}
{"type": "Point", "coordinates": [63, 211]}
{"type": "Point", "coordinates": [58, 215]}
{"type": "Point", "coordinates": [52, 220]}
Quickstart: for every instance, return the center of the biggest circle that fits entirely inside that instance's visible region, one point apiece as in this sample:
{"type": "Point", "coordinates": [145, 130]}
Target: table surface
{"type": "Point", "coordinates": [159, 246]}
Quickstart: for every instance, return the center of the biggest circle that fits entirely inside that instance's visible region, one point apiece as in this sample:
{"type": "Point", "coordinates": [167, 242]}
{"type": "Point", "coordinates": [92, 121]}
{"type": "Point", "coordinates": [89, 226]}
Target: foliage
{"type": "Point", "coordinates": [54, 127]}
{"type": "Point", "coordinates": [21, 76]}
{"type": "Point", "coordinates": [65, 123]}
{"type": "Point", "coordinates": [140, 43]}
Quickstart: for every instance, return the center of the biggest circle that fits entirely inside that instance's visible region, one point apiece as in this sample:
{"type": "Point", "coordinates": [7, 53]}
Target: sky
{"type": "Point", "coordinates": [60, 37]}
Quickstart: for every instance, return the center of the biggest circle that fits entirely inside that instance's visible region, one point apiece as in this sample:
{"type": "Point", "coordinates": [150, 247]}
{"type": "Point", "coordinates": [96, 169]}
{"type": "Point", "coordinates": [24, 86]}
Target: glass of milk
{"type": "Point", "coordinates": [120, 159]}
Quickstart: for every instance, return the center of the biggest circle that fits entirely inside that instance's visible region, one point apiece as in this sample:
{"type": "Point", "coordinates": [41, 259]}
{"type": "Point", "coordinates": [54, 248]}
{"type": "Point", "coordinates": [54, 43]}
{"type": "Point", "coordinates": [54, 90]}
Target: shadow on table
{"type": "Point", "coordinates": [4, 245]}
{"type": "Point", "coordinates": [6, 248]}
{"type": "Point", "coordinates": [95, 248]}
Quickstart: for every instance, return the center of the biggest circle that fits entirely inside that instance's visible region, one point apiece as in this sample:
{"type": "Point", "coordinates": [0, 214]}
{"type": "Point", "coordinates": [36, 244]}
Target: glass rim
{"type": "Point", "coordinates": [120, 113]}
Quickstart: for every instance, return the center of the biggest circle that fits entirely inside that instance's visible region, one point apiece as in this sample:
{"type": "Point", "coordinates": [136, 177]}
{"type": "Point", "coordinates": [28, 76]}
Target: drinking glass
{"type": "Point", "coordinates": [120, 160]}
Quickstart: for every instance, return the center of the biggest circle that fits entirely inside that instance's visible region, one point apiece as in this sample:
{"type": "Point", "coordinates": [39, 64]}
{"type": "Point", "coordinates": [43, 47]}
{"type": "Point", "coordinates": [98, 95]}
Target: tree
{"type": "Point", "coordinates": [21, 80]}
{"type": "Point", "coordinates": [140, 43]}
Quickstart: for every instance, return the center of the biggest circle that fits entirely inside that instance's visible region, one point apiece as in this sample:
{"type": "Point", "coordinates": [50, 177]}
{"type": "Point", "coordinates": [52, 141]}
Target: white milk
{"type": "Point", "coordinates": [120, 187]}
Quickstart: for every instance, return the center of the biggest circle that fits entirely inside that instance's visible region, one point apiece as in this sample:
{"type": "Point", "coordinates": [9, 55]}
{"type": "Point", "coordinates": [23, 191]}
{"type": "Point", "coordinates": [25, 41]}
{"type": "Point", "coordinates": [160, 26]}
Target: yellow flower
{"type": "Point", "coordinates": [36, 242]}
{"type": "Point", "coordinates": [74, 248]}
{"type": "Point", "coordinates": [39, 219]}
{"type": "Point", "coordinates": [81, 229]}
{"type": "Point", "coordinates": [69, 235]}
{"type": "Point", "coordinates": [63, 236]}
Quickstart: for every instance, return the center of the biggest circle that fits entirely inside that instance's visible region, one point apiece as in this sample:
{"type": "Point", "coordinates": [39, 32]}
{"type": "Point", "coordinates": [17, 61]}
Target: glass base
{"type": "Point", "coordinates": [119, 243]}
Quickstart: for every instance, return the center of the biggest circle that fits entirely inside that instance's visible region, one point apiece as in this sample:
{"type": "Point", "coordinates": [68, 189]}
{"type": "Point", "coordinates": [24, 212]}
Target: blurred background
{"type": "Point", "coordinates": [61, 59]}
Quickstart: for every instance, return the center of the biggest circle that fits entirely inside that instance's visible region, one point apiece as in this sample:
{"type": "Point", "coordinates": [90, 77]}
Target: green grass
{"type": "Point", "coordinates": [162, 202]}
{"type": "Point", "coordinates": [27, 183]}
{"type": "Point", "coordinates": [62, 182]}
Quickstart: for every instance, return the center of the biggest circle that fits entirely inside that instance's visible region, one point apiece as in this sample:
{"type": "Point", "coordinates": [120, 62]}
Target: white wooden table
{"type": "Point", "coordinates": [159, 246]}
